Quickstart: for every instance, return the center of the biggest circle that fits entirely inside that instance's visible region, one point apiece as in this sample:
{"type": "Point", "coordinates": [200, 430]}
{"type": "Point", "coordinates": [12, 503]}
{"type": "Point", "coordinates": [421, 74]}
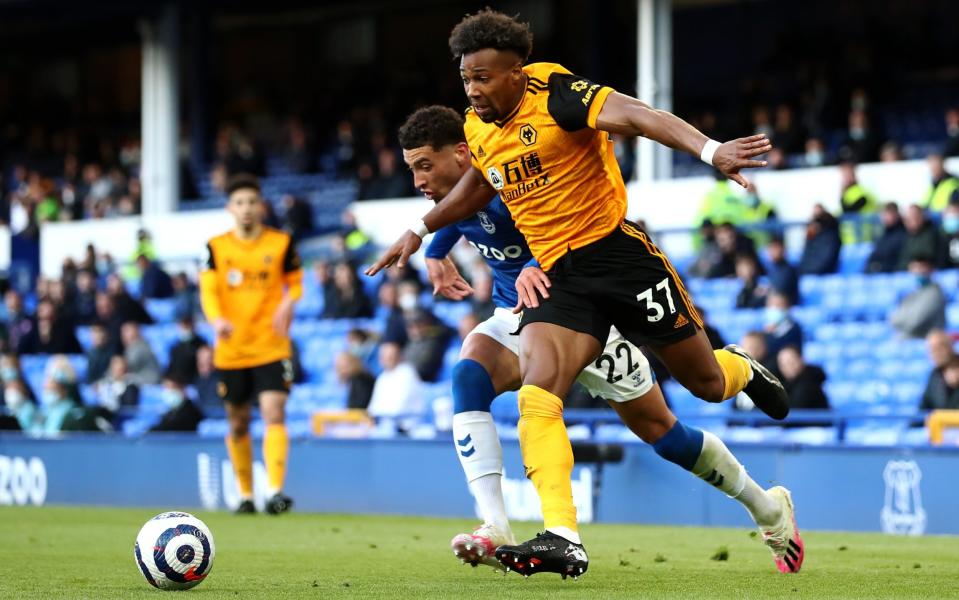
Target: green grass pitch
{"type": "Point", "coordinates": [59, 552]}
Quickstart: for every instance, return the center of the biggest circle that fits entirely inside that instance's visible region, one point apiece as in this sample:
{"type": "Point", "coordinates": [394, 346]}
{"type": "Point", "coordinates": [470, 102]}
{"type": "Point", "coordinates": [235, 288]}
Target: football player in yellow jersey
{"type": "Point", "coordinates": [539, 137]}
{"type": "Point", "coordinates": [252, 279]}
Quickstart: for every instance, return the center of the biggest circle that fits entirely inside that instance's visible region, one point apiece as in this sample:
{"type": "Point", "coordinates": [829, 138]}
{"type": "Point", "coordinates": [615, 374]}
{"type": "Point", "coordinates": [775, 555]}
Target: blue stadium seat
{"type": "Point", "coordinates": [162, 310]}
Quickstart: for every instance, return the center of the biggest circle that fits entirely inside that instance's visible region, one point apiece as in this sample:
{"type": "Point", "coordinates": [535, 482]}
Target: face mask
{"type": "Point", "coordinates": [14, 398]}
{"type": "Point", "coordinates": [923, 280]}
{"type": "Point", "coordinates": [953, 130]}
{"type": "Point", "coordinates": [814, 159]}
{"type": "Point", "coordinates": [774, 316]}
{"type": "Point", "coordinates": [49, 397]}
{"type": "Point", "coordinates": [172, 398]}
{"type": "Point", "coordinates": [950, 223]}
{"type": "Point", "coordinates": [185, 335]}
{"type": "Point", "coordinates": [9, 374]}
{"type": "Point", "coordinates": [60, 376]}
{"type": "Point", "coordinates": [857, 133]}
{"type": "Point", "coordinates": [407, 301]}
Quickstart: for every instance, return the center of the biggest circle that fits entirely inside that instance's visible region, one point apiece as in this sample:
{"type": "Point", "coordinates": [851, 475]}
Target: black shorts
{"type": "Point", "coordinates": [624, 280]}
{"type": "Point", "coordinates": [241, 386]}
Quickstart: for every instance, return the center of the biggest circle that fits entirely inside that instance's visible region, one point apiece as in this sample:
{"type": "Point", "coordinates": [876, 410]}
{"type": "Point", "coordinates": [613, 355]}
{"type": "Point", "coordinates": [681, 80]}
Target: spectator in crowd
{"type": "Point", "coordinates": [754, 343]}
{"type": "Point", "coordinates": [861, 143]}
{"type": "Point", "coordinates": [182, 363]}
{"type": "Point", "coordinates": [111, 320]}
{"type": "Point", "coordinates": [186, 296]}
{"type": "Point", "coordinates": [951, 147]}
{"type": "Point", "coordinates": [890, 152]}
{"type": "Point", "coordinates": [99, 354]}
{"type": "Point", "coordinates": [12, 372]}
{"type": "Point", "coordinates": [730, 243]}
{"type": "Point", "coordinates": [346, 298]}
{"type": "Point", "coordinates": [923, 239]}
{"type": "Point", "coordinates": [942, 354]}
{"type": "Point", "coordinates": [428, 339]}
{"type": "Point", "coordinates": [855, 201]}
{"type": "Point", "coordinates": [923, 309]}
{"type": "Point", "coordinates": [154, 281]}
{"type": "Point", "coordinates": [716, 341]}
{"type": "Point", "coordinates": [141, 362]}
{"type": "Point", "coordinates": [787, 134]}
{"type": "Point", "coordinates": [781, 329]}
{"type": "Point", "coordinates": [821, 254]}
{"type": "Point", "coordinates": [388, 182]}
{"type": "Point", "coordinates": [721, 204]}
{"type": "Point", "coordinates": [21, 406]}
{"type": "Point", "coordinates": [885, 254]}
{"type": "Point", "coordinates": [751, 295]}
{"type": "Point", "coordinates": [206, 379]}
{"type": "Point", "coordinates": [815, 154]}
{"type": "Point", "coordinates": [950, 235]}
{"type": "Point", "coordinates": [395, 329]}
{"type": "Point", "coordinates": [356, 242]}
{"type": "Point", "coordinates": [19, 323]}
{"type": "Point", "coordinates": [397, 391]}
{"type": "Point", "coordinates": [944, 188]}
{"type": "Point", "coordinates": [782, 276]}
{"type": "Point", "coordinates": [360, 343]}
{"type": "Point", "coordinates": [708, 254]}
{"type": "Point", "coordinates": [803, 382]}
{"type": "Point", "coordinates": [85, 297]}
{"type": "Point", "coordinates": [182, 412]}
{"type": "Point", "coordinates": [56, 403]}
{"type": "Point", "coordinates": [124, 305]}
{"type": "Point", "coordinates": [351, 372]}
{"type": "Point", "coordinates": [50, 335]}
{"type": "Point", "coordinates": [117, 388]}
{"type": "Point", "coordinates": [298, 154]}
{"type": "Point", "coordinates": [297, 217]}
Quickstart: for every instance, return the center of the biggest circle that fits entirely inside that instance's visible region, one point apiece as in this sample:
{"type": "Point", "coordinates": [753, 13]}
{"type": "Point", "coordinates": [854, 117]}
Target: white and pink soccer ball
{"type": "Point", "coordinates": [174, 551]}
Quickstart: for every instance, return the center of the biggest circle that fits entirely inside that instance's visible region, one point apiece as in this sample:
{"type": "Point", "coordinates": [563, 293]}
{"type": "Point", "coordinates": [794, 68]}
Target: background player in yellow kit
{"type": "Point", "coordinates": [252, 279]}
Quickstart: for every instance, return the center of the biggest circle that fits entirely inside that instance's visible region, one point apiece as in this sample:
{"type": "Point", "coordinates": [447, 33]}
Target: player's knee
{"type": "Point", "coordinates": [472, 387]}
{"type": "Point", "coordinates": [653, 430]}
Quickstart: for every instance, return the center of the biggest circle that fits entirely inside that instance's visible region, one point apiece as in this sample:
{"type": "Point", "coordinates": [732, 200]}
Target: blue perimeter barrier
{"type": "Point", "coordinates": [840, 488]}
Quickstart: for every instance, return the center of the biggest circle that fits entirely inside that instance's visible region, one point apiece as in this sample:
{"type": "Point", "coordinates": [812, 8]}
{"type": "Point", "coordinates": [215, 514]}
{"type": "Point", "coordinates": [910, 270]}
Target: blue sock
{"type": "Point", "coordinates": [472, 387]}
{"type": "Point", "coordinates": [681, 445]}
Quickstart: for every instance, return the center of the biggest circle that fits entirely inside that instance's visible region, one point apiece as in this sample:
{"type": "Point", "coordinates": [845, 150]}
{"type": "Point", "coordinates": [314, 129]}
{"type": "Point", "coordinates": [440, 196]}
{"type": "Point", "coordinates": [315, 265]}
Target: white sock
{"type": "Point", "coordinates": [477, 446]}
{"type": "Point", "coordinates": [566, 532]}
{"type": "Point", "coordinates": [718, 467]}
{"type": "Point", "coordinates": [488, 491]}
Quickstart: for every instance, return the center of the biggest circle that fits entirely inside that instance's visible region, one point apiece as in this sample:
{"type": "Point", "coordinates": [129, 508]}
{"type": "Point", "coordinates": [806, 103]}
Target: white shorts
{"type": "Point", "coordinates": [619, 374]}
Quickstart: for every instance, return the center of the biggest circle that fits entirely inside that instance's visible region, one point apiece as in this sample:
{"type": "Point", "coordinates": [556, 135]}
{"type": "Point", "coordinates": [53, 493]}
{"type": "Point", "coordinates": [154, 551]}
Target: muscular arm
{"type": "Point", "coordinates": [469, 195]}
{"type": "Point", "coordinates": [631, 117]}
{"type": "Point", "coordinates": [625, 115]}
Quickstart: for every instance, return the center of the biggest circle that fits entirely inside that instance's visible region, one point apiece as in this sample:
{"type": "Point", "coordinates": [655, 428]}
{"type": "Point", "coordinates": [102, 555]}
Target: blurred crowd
{"type": "Point", "coordinates": [61, 176]}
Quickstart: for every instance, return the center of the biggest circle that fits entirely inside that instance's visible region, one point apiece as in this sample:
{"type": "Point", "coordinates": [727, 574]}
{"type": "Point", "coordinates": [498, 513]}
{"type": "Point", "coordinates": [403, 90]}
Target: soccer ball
{"type": "Point", "coordinates": [174, 551]}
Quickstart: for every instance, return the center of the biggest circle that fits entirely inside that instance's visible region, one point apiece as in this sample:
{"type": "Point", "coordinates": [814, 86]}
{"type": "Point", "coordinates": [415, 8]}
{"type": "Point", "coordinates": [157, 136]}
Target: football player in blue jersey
{"type": "Point", "coordinates": [435, 150]}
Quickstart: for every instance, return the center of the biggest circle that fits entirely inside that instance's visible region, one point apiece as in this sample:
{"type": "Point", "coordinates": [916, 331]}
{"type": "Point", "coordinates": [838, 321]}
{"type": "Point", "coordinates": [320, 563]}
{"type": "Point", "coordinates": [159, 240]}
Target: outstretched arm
{"type": "Point", "coordinates": [628, 116]}
{"type": "Point", "coordinates": [469, 195]}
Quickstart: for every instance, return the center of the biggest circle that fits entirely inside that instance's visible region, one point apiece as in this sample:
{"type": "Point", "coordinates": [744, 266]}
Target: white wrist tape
{"type": "Point", "coordinates": [708, 151]}
{"type": "Point", "coordinates": [420, 229]}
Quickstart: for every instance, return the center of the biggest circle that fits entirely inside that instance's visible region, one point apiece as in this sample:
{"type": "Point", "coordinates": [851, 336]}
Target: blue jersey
{"type": "Point", "coordinates": [492, 232]}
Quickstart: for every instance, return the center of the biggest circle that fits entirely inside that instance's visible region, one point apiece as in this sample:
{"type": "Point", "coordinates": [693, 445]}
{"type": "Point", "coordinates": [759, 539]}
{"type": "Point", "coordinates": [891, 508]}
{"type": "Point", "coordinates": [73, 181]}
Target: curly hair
{"type": "Point", "coordinates": [491, 29]}
{"type": "Point", "coordinates": [434, 126]}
